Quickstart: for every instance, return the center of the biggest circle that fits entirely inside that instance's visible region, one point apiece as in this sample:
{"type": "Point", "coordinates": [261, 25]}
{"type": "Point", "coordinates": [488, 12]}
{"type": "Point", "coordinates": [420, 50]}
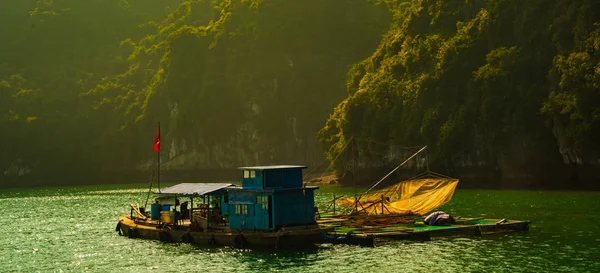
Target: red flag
{"type": "Point", "coordinates": [157, 141]}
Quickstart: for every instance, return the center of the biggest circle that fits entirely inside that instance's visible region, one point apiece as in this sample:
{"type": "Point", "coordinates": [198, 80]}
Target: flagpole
{"type": "Point", "coordinates": [158, 164]}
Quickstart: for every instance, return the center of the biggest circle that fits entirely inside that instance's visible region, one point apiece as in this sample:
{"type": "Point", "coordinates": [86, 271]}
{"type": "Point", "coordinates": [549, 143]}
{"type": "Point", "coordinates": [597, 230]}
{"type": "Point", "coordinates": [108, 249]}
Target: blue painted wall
{"type": "Point", "coordinates": [272, 178]}
{"type": "Point", "coordinates": [291, 207]}
{"type": "Point", "coordinates": [249, 210]}
{"type": "Point", "coordinates": [291, 204]}
{"type": "Point", "coordinates": [284, 178]}
{"type": "Point", "coordinates": [252, 179]}
{"type": "Point", "coordinates": [241, 206]}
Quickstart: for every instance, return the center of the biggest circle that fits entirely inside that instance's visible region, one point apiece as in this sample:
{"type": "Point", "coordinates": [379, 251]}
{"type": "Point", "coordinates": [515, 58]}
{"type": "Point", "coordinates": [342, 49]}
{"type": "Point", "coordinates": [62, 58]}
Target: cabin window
{"type": "Point", "coordinates": [252, 174]}
{"type": "Point", "coordinates": [246, 174]}
{"type": "Point", "coordinates": [264, 200]}
{"type": "Point", "coordinates": [241, 209]}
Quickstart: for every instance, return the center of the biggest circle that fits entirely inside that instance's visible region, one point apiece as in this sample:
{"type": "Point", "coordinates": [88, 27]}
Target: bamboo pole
{"type": "Point", "coordinates": [333, 203]}
{"type": "Point", "coordinates": [149, 190]}
{"type": "Point", "coordinates": [386, 176]}
{"type": "Point", "coordinates": [354, 178]}
{"type": "Point", "coordinates": [158, 161]}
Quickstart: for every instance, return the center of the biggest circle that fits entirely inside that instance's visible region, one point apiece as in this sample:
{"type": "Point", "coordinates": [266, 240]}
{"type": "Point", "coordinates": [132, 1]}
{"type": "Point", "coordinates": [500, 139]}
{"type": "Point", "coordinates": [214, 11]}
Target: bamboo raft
{"type": "Point", "coordinates": [372, 230]}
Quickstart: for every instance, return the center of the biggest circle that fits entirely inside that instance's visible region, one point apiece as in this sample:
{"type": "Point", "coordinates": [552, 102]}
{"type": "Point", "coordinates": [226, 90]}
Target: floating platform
{"type": "Point", "coordinates": [374, 230]}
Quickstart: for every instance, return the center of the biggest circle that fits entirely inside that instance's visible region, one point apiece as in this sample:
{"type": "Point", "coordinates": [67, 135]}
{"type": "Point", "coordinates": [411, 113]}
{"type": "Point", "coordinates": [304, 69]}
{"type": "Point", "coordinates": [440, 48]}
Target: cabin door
{"type": "Point", "coordinates": [262, 212]}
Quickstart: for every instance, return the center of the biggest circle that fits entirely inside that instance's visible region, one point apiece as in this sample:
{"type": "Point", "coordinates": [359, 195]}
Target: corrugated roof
{"type": "Point", "coordinates": [195, 188]}
{"type": "Point", "coordinates": [272, 167]}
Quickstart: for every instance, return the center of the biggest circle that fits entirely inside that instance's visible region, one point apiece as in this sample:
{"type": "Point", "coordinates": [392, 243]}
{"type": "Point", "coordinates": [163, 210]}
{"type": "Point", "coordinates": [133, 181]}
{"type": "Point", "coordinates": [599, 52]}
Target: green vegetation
{"type": "Point", "coordinates": [50, 50]}
{"type": "Point", "coordinates": [503, 85]}
{"type": "Point", "coordinates": [232, 82]}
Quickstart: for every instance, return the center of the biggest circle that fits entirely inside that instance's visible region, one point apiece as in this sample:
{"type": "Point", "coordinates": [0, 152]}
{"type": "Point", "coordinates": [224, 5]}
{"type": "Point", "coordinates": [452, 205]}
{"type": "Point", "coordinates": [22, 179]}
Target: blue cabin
{"type": "Point", "coordinates": [271, 197]}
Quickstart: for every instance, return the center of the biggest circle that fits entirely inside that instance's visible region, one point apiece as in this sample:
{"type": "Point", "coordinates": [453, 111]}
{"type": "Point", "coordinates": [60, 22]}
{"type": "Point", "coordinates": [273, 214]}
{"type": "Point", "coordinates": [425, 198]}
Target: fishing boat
{"type": "Point", "coordinates": [398, 212]}
{"type": "Point", "coordinates": [272, 208]}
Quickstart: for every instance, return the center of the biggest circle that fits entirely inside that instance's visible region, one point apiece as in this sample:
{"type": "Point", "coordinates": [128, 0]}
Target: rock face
{"type": "Point", "coordinates": [258, 85]}
{"type": "Point", "coordinates": [232, 82]}
{"type": "Point", "coordinates": [248, 147]}
{"type": "Point", "coordinates": [503, 92]}
{"type": "Point", "coordinates": [507, 100]}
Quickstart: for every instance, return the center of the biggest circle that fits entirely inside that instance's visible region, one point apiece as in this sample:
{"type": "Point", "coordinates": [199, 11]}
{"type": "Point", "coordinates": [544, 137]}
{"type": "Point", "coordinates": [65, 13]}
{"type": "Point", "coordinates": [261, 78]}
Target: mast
{"type": "Point", "coordinates": [158, 159]}
{"type": "Point", "coordinates": [149, 190]}
{"type": "Point", "coordinates": [401, 164]}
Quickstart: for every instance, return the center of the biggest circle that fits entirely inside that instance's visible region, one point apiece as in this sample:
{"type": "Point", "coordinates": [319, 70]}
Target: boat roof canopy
{"type": "Point", "coordinates": [261, 168]}
{"type": "Point", "coordinates": [194, 189]}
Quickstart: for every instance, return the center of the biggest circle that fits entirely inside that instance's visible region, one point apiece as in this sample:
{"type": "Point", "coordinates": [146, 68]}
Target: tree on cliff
{"type": "Point", "coordinates": [471, 81]}
{"type": "Point", "coordinates": [242, 82]}
{"type": "Point", "coordinates": [234, 82]}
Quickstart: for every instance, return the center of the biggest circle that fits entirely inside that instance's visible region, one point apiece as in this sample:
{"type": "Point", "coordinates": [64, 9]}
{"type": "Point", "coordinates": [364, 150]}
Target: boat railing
{"type": "Point", "coordinates": [205, 217]}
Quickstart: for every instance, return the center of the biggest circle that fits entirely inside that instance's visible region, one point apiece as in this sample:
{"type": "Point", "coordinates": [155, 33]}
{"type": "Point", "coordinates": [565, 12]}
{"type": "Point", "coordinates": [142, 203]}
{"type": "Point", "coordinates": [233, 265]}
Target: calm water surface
{"type": "Point", "coordinates": [72, 230]}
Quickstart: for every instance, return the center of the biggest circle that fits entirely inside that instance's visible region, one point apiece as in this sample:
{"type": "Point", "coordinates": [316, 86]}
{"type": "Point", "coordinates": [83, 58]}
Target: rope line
{"type": "Point", "coordinates": [338, 155]}
{"type": "Point", "coordinates": [388, 174]}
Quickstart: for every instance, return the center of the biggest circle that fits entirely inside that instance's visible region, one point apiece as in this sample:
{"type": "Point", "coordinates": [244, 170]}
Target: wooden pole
{"type": "Point", "coordinates": [401, 164]}
{"type": "Point", "coordinates": [305, 208]}
{"type": "Point", "coordinates": [354, 178]}
{"type": "Point", "coordinates": [388, 210]}
{"type": "Point", "coordinates": [158, 164]}
{"type": "Point", "coordinates": [334, 203]}
{"type": "Point", "coordinates": [149, 190]}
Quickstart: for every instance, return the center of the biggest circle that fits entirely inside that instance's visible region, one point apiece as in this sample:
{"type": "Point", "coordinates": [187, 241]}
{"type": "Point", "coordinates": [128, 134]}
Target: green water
{"type": "Point", "coordinates": [72, 230]}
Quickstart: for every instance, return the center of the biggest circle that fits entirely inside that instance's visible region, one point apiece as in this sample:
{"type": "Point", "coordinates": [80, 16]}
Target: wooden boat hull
{"type": "Point", "coordinates": [292, 237]}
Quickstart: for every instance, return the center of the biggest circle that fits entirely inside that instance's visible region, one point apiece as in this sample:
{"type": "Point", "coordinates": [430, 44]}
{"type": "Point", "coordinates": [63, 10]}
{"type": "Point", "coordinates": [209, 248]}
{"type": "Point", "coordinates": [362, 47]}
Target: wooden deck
{"type": "Point", "coordinates": [348, 232]}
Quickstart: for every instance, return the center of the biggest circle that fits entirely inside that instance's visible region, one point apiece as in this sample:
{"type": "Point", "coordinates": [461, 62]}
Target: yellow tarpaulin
{"type": "Point", "coordinates": [417, 196]}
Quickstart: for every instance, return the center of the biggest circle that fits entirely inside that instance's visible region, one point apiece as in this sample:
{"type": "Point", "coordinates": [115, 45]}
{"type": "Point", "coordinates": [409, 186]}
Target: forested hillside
{"type": "Point", "coordinates": [49, 49]}
{"type": "Point", "coordinates": [505, 92]}
{"type": "Point", "coordinates": [83, 84]}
